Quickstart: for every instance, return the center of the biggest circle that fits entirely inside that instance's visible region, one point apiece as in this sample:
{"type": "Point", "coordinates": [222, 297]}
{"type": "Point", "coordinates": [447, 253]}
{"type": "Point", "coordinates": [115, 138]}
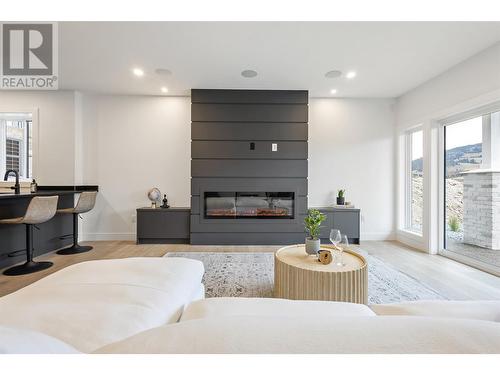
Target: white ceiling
{"type": "Point", "coordinates": [390, 58]}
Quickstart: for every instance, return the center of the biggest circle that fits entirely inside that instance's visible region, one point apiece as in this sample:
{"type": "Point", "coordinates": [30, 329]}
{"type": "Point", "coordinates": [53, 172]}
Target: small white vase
{"type": "Point", "coordinates": [312, 246]}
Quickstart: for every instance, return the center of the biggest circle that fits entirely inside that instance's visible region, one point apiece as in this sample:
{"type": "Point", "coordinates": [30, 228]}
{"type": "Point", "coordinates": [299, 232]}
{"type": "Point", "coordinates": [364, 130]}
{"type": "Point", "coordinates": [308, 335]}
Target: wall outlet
{"type": "Point", "coordinates": [134, 218]}
{"type": "Point", "coordinates": [274, 147]}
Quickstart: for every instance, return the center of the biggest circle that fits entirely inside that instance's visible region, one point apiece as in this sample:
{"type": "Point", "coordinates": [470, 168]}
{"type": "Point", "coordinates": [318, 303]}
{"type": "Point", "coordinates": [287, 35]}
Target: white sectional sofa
{"type": "Point", "coordinates": [91, 304]}
{"type": "Point", "coordinates": [155, 305]}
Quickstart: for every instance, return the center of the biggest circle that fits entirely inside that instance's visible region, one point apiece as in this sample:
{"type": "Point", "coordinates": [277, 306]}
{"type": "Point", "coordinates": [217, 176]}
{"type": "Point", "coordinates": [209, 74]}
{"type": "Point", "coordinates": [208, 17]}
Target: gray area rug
{"type": "Point", "coordinates": [252, 275]}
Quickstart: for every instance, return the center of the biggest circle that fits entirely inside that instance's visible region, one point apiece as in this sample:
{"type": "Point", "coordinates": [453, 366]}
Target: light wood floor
{"type": "Point", "coordinates": [451, 279]}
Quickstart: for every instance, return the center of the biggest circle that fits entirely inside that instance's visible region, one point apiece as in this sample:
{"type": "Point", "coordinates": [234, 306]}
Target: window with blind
{"type": "Point", "coordinates": [13, 154]}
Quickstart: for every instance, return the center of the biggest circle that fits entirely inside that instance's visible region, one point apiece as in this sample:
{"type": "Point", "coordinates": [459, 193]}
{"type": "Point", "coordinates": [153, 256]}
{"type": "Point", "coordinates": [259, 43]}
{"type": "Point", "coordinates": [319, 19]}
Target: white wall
{"type": "Point", "coordinates": [132, 143]}
{"type": "Point", "coordinates": [129, 145]}
{"type": "Point", "coordinates": [475, 79]}
{"type": "Point", "coordinates": [351, 146]}
{"type": "Point", "coordinates": [141, 142]}
{"type": "Point", "coordinates": [55, 158]}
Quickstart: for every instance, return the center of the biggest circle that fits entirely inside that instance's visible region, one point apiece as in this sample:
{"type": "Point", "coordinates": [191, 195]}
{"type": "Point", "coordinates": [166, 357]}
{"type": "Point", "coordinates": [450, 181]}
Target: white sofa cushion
{"type": "Point", "coordinates": [484, 310]}
{"type": "Point", "coordinates": [94, 303]}
{"type": "Point", "coordinates": [199, 294]}
{"type": "Point", "coordinates": [220, 307]}
{"type": "Point", "coordinates": [20, 341]}
{"type": "Point", "coordinates": [360, 334]}
{"type": "Point", "coordinates": [152, 272]}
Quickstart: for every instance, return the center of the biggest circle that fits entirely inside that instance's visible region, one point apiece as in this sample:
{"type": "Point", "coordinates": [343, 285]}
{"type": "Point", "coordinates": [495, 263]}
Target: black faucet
{"type": "Point", "coordinates": [16, 187]}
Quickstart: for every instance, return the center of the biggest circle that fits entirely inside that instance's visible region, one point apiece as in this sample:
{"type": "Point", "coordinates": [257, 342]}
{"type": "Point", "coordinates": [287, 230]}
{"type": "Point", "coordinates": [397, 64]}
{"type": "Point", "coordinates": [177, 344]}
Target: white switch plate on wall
{"type": "Point", "coordinates": [274, 147]}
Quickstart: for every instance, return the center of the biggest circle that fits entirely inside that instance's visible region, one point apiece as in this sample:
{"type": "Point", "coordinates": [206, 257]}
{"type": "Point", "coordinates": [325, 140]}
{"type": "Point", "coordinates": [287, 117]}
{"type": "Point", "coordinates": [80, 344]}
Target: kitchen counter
{"type": "Point", "coordinates": [51, 235]}
{"type": "Point", "coordinates": [38, 193]}
{"type": "Point", "coordinates": [49, 190]}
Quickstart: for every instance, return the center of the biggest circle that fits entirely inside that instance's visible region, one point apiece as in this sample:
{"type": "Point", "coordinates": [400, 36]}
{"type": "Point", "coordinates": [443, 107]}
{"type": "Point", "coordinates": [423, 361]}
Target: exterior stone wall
{"type": "Point", "coordinates": [482, 209]}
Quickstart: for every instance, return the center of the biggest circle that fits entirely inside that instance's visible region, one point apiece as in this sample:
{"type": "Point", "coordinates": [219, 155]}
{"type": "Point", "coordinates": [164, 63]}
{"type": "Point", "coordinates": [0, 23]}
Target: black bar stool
{"type": "Point", "coordinates": [40, 210]}
{"type": "Point", "coordinates": [86, 202]}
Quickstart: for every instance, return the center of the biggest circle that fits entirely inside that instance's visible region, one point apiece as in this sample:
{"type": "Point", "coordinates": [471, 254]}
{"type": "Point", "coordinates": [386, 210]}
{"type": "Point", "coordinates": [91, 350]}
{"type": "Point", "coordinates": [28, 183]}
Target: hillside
{"type": "Point", "coordinates": [455, 157]}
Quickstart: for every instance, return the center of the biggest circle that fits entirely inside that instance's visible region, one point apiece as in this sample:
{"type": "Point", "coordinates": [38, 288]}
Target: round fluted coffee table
{"type": "Point", "coordinates": [301, 276]}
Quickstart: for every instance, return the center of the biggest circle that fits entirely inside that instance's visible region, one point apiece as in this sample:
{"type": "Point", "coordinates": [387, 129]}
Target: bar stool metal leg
{"type": "Point", "coordinates": [75, 248]}
{"type": "Point", "coordinates": [30, 266]}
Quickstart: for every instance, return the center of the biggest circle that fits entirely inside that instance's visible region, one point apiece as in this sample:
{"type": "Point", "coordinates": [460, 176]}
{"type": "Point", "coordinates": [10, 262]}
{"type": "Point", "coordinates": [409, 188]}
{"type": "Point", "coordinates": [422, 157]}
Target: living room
{"type": "Point", "coordinates": [184, 185]}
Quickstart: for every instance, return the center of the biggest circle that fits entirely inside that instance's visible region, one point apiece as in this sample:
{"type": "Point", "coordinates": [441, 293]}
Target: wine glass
{"type": "Point", "coordinates": [335, 237]}
{"type": "Point", "coordinates": [344, 245]}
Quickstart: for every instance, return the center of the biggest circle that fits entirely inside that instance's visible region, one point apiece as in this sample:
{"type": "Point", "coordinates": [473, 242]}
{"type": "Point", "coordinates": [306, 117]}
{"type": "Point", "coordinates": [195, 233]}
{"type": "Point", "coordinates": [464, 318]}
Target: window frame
{"type": "Point", "coordinates": [35, 139]}
{"type": "Point", "coordinates": [408, 182]}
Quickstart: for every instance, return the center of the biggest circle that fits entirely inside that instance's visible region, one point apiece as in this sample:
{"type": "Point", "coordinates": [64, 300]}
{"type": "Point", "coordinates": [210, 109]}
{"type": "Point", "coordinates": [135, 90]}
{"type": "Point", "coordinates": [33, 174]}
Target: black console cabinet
{"type": "Point", "coordinates": [172, 225]}
{"type": "Point", "coordinates": [163, 225]}
{"type": "Point", "coordinates": [347, 220]}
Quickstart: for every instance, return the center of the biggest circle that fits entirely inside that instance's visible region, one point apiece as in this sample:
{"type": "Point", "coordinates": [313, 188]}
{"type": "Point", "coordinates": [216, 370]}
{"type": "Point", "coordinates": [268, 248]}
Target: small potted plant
{"type": "Point", "coordinates": [340, 197]}
{"type": "Point", "coordinates": [312, 223]}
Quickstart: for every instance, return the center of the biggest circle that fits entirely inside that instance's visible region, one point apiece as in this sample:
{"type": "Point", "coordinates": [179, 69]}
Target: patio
{"type": "Point", "coordinates": [488, 256]}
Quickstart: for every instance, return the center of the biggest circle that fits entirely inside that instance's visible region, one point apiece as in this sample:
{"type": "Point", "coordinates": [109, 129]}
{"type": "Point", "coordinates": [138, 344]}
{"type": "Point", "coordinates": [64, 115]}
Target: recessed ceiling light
{"type": "Point", "coordinates": [163, 72]}
{"type": "Point", "coordinates": [351, 74]}
{"type": "Point", "coordinates": [164, 89]}
{"type": "Point", "coordinates": [333, 91]}
{"type": "Point", "coordinates": [138, 72]}
{"type": "Point", "coordinates": [333, 74]}
{"type": "Point", "coordinates": [249, 73]}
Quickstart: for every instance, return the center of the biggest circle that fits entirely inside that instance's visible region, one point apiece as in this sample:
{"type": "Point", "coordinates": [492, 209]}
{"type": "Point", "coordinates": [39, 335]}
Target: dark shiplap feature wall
{"type": "Point", "coordinates": [224, 123]}
{"type": "Point", "coordinates": [248, 168]}
{"type": "Point", "coordinates": [250, 96]}
{"type": "Point", "coordinates": [258, 131]}
{"type": "Point", "coordinates": [249, 112]}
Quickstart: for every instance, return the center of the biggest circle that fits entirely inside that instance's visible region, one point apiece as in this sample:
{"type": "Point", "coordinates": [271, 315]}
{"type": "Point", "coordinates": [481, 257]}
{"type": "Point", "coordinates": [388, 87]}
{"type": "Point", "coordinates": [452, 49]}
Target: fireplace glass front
{"type": "Point", "coordinates": [245, 205]}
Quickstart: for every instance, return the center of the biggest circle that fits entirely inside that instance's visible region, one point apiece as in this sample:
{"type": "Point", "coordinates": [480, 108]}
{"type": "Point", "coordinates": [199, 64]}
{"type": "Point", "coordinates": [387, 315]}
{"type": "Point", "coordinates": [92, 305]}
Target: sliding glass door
{"type": "Point", "coordinates": [472, 191]}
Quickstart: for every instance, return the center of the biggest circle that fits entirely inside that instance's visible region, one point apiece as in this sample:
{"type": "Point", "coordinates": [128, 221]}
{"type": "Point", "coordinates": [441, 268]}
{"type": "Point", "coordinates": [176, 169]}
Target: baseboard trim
{"type": "Point", "coordinates": [378, 236]}
{"type": "Point", "coordinates": [370, 236]}
{"type": "Point", "coordinates": [413, 240]}
{"type": "Point", "coordinates": [107, 237]}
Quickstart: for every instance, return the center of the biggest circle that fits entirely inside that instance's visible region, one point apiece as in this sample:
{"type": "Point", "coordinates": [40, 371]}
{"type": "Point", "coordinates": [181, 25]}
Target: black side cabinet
{"type": "Point", "coordinates": [347, 220]}
{"type": "Point", "coordinates": [163, 225]}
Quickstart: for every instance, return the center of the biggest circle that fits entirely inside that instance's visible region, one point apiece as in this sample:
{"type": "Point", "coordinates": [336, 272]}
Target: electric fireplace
{"type": "Point", "coordinates": [245, 205]}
